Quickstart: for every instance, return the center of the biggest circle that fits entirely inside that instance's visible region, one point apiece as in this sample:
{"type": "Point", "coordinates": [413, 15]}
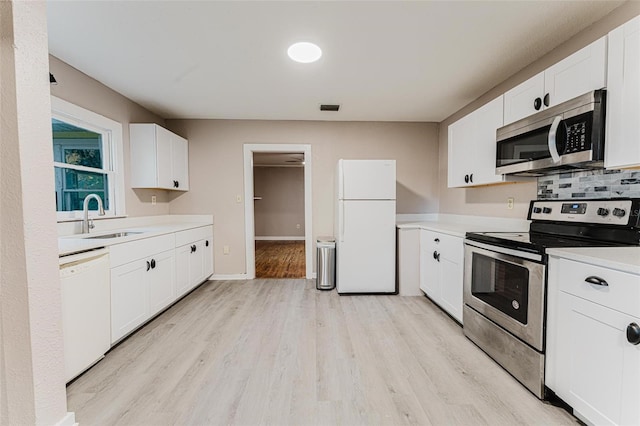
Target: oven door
{"type": "Point", "coordinates": [507, 289]}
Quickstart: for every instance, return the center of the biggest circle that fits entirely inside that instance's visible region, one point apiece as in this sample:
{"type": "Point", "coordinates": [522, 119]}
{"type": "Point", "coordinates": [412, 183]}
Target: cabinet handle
{"type": "Point", "coordinates": [537, 104]}
{"type": "Point", "coordinates": [466, 178]}
{"type": "Point", "coordinates": [195, 248]}
{"type": "Point", "coordinates": [546, 100]}
{"type": "Point", "coordinates": [437, 240]}
{"type": "Point", "coordinates": [148, 265]}
{"type": "Point", "coordinates": [177, 184]}
{"type": "Point", "coordinates": [206, 243]}
{"type": "Point", "coordinates": [471, 178]}
{"type": "Point", "coordinates": [153, 263]}
{"type": "Point", "coordinates": [436, 256]}
{"type": "Point", "coordinates": [596, 281]}
{"type": "Point", "coordinates": [633, 333]}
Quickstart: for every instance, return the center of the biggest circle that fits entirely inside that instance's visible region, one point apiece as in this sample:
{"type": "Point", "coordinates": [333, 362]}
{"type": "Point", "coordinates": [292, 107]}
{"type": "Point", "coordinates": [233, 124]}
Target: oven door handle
{"type": "Point", "coordinates": [596, 281]}
{"type": "Point", "coordinates": [553, 131]}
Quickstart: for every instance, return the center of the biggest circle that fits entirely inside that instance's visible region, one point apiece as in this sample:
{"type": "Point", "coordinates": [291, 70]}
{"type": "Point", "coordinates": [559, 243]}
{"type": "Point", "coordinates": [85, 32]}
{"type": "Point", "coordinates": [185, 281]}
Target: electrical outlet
{"type": "Point", "coordinates": [225, 250]}
{"type": "Point", "coordinates": [297, 226]}
{"type": "Point", "coordinates": [153, 200]}
{"type": "Point", "coordinates": [238, 198]}
{"type": "Point", "coordinates": [510, 203]}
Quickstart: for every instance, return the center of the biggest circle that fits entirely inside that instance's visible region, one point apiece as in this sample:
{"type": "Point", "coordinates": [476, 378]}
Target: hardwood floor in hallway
{"type": "Point", "coordinates": [280, 352]}
{"type": "Point", "coordinates": [280, 259]}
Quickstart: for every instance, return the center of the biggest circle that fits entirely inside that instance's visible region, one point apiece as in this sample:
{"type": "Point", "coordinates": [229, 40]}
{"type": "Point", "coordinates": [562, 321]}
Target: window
{"type": "Point", "coordinates": [87, 155]}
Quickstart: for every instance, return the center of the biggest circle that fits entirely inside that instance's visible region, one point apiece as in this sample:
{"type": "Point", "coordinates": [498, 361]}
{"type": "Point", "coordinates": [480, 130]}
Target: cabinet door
{"type": "Point", "coordinates": [162, 287]}
{"type": "Point", "coordinates": [598, 371]}
{"type": "Point", "coordinates": [129, 298]}
{"type": "Point", "coordinates": [577, 74]}
{"type": "Point", "coordinates": [461, 151]}
{"type": "Point", "coordinates": [623, 97]}
{"type": "Point", "coordinates": [164, 161]}
{"type": "Point", "coordinates": [519, 101]}
{"type": "Point", "coordinates": [196, 264]}
{"type": "Point", "coordinates": [429, 266]}
{"type": "Point", "coordinates": [182, 269]}
{"type": "Point", "coordinates": [488, 119]}
{"type": "Point", "coordinates": [208, 256]}
{"type": "Point", "coordinates": [451, 269]}
{"type": "Point", "coordinates": [180, 162]}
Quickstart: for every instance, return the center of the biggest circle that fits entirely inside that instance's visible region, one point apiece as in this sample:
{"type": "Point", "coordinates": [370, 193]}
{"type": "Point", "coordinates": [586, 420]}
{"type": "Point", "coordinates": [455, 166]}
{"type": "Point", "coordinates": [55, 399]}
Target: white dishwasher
{"type": "Point", "coordinates": [86, 309]}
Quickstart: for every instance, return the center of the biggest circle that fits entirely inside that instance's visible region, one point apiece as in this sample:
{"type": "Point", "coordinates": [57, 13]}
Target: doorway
{"type": "Point", "coordinates": [278, 212]}
{"type": "Point", "coordinates": [283, 247]}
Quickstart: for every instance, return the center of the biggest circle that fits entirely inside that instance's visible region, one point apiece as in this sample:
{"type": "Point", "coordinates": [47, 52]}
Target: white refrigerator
{"type": "Point", "coordinates": [366, 226]}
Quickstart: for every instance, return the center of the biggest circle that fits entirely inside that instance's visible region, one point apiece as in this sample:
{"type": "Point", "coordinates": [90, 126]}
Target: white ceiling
{"type": "Point", "coordinates": [382, 61]}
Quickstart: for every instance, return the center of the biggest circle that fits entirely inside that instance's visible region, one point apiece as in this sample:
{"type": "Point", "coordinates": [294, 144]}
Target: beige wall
{"type": "Point", "coordinates": [78, 88]}
{"type": "Point", "coordinates": [216, 169]}
{"type": "Point", "coordinates": [281, 207]}
{"type": "Point", "coordinates": [492, 200]}
{"type": "Point", "coordinates": [32, 388]}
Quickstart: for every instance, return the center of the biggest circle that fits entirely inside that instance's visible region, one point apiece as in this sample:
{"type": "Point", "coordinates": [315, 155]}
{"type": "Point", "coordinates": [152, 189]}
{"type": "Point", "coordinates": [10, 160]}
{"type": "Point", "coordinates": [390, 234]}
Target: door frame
{"type": "Point", "coordinates": [249, 218]}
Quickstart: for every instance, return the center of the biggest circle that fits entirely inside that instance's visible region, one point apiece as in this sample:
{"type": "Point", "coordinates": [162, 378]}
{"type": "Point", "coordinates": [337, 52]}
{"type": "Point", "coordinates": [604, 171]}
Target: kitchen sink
{"type": "Point", "coordinates": [114, 235]}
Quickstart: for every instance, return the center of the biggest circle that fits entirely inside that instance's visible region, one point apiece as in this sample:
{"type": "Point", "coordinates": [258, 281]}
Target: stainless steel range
{"type": "Point", "coordinates": [505, 276]}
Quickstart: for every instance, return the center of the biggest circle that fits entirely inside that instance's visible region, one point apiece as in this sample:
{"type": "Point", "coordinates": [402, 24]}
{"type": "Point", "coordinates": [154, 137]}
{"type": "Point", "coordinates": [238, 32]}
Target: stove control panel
{"type": "Point", "coordinates": [605, 211]}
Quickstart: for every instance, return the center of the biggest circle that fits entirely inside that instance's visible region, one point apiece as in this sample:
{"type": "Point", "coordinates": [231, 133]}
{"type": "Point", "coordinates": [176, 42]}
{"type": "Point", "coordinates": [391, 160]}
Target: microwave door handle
{"type": "Point", "coordinates": [552, 139]}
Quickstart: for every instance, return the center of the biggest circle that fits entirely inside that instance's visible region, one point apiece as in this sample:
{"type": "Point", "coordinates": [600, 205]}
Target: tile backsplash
{"type": "Point", "coordinates": [590, 184]}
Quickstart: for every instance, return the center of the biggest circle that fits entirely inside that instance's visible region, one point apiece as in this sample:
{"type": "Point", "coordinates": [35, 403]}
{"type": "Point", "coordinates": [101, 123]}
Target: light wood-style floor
{"type": "Point", "coordinates": [279, 352]}
{"type": "Point", "coordinates": [280, 259]}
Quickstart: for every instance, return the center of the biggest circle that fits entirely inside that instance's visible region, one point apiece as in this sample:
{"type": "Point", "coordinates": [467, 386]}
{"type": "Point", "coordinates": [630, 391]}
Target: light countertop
{"type": "Point", "coordinates": [71, 244]}
{"type": "Point", "coordinates": [458, 226]}
{"type": "Point", "coordinates": [625, 259]}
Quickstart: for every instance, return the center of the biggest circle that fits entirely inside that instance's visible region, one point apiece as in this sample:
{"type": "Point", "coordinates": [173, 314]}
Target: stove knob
{"type": "Point", "coordinates": [537, 209]}
{"type": "Point", "coordinates": [619, 212]}
{"type": "Point", "coordinates": [546, 210]}
{"type": "Point", "coordinates": [603, 212]}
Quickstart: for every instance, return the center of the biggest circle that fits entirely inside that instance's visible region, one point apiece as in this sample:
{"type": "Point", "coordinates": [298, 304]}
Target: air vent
{"type": "Point", "coordinates": [325, 107]}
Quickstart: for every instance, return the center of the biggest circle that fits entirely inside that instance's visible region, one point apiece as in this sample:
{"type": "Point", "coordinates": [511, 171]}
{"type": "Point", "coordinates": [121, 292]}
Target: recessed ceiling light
{"type": "Point", "coordinates": [304, 52]}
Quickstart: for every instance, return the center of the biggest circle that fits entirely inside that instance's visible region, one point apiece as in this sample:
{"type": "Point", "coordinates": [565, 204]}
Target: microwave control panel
{"type": "Point", "coordinates": [611, 212]}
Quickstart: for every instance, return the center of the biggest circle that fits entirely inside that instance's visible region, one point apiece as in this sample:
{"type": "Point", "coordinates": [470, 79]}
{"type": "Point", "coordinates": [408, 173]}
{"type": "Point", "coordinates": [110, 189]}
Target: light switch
{"type": "Point", "coordinates": [225, 250]}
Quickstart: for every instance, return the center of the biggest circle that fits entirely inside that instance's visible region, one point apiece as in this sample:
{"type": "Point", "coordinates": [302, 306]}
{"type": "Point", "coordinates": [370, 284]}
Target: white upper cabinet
{"type": "Point", "coordinates": [577, 74]}
{"type": "Point", "coordinates": [622, 147]}
{"type": "Point", "coordinates": [159, 158]}
{"type": "Point", "coordinates": [472, 147]}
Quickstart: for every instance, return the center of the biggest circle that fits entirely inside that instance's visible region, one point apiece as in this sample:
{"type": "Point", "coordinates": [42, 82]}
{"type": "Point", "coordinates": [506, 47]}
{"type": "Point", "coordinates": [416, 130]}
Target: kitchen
{"type": "Point", "coordinates": [424, 181]}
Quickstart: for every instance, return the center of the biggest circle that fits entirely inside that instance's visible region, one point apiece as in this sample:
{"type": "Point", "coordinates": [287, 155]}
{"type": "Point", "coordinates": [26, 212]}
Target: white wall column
{"type": "Point", "coordinates": [32, 385]}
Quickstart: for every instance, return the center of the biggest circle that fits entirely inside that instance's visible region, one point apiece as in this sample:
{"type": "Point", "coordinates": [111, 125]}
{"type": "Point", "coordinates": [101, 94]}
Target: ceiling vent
{"type": "Point", "coordinates": [327, 107]}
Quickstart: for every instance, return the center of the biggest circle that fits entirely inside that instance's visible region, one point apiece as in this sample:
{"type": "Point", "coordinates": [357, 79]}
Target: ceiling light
{"type": "Point", "coordinates": [304, 52]}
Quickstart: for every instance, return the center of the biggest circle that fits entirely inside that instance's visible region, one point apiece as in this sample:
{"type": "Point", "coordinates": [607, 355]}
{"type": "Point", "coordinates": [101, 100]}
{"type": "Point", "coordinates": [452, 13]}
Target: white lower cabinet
{"type": "Point", "coordinates": [194, 258]}
{"type": "Point", "coordinates": [591, 364]}
{"type": "Point", "coordinates": [129, 298]}
{"type": "Point", "coordinates": [441, 269]}
{"type": "Point", "coordinates": [142, 282]}
{"type": "Point", "coordinates": [150, 274]}
{"type": "Point", "coordinates": [162, 284]}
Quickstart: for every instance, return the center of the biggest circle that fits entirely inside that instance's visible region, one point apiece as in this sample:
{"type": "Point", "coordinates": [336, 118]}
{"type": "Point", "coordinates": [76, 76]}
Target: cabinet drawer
{"type": "Point", "coordinates": [450, 246]}
{"type": "Point", "coordinates": [120, 254]}
{"type": "Point", "coordinates": [622, 292]}
{"type": "Point", "coordinates": [191, 235]}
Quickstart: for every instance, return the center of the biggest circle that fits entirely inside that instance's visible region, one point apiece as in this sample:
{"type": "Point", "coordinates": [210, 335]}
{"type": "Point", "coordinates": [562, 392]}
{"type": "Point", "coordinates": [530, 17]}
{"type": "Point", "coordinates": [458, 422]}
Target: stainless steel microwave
{"type": "Point", "coordinates": [568, 136]}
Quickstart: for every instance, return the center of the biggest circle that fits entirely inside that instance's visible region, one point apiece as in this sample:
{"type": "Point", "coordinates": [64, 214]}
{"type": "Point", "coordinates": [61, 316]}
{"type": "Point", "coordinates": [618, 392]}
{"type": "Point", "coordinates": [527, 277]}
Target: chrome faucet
{"type": "Point", "coordinates": [87, 223]}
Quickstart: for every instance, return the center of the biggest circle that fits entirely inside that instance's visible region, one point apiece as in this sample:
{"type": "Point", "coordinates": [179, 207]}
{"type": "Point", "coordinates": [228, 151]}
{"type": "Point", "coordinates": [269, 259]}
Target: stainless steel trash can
{"type": "Point", "coordinates": [326, 263]}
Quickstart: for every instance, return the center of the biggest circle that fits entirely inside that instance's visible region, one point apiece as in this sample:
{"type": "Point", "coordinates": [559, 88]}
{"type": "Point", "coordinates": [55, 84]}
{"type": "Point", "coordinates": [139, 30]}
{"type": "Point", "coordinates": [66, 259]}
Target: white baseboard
{"type": "Point", "coordinates": [221, 277]}
{"type": "Point", "coordinates": [279, 238]}
{"type": "Point", "coordinates": [68, 420]}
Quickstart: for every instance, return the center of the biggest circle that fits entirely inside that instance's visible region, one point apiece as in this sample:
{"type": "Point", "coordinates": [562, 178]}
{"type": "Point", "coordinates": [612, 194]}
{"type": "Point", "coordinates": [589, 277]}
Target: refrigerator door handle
{"type": "Point", "coordinates": [341, 224]}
